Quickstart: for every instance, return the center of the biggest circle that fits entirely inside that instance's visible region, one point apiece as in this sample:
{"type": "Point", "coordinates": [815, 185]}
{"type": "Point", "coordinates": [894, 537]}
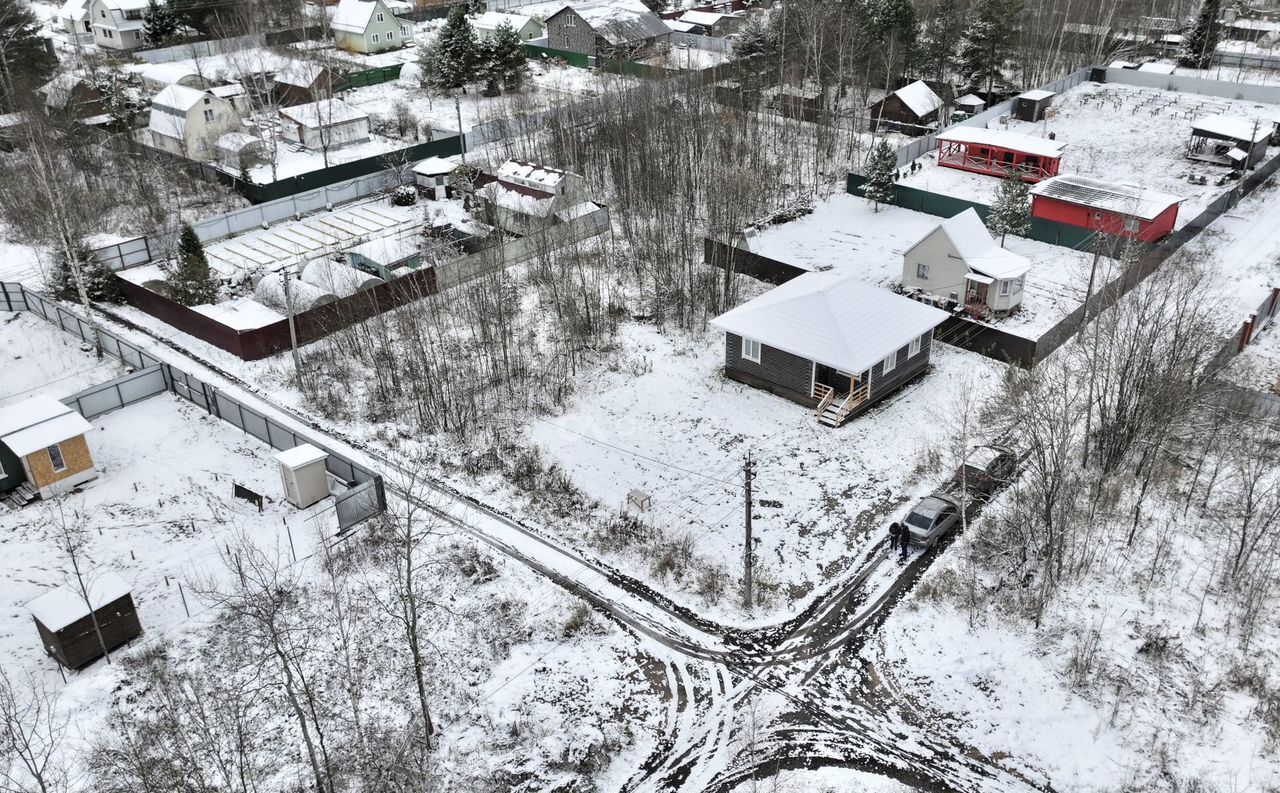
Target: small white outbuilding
{"type": "Point", "coordinates": [325, 124]}
{"type": "Point", "coordinates": [303, 474]}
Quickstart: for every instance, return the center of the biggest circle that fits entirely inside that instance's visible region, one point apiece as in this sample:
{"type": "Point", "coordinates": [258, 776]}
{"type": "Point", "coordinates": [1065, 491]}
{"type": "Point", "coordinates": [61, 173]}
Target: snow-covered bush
{"type": "Point", "coordinates": [404, 196]}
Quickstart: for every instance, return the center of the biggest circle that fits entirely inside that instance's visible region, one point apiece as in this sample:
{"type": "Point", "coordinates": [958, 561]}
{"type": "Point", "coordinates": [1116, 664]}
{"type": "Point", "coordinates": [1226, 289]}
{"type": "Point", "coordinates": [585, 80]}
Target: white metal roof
{"type": "Point", "coordinates": [37, 423]}
{"type": "Point", "coordinates": [435, 166]}
{"type": "Point", "coordinates": [302, 455]}
{"type": "Point", "coordinates": [1157, 67]}
{"type": "Point", "coordinates": [168, 73]}
{"type": "Point", "coordinates": [229, 90]}
{"type": "Point", "coordinates": [978, 248]}
{"type": "Point", "coordinates": [919, 97]}
{"type": "Point", "coordinates": [968, 100]}
{"type": "Point", "coordinates": [323, 113]}
{"type": "Point", "coordinates": [1125, 199]}
{"type": "Point", "coordinates": [178, 97]}
{"type": "Point", "coordinates": [299, 73]}
{"type": "Point", "coordinates": [352, 16]}
{"type": "Point", "coordinates": [680, 27]}
{"type": "Point", "coordinates": [1035, 95]}
{"type": "Point", "coordinates": [1042, 147]}
{"type": "Point", "coordinates": [1233, 127]}
{"type": "Point", "coordinates": [703, 18]}
{"type": "Point", "coordinates": [236, 142]}
{"type": "Point", "coordinates": [59, 608]}
{"type": "Point", "coordinates": [833, 320]}
{"type": "Point", "coordinates": [492, 20]}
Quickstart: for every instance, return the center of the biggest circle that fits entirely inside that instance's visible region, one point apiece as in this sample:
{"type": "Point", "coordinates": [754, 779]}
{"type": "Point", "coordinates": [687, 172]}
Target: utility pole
{"type": "Point", "coordinates": [285, 277]}
{"type": "Point", "coordinates": [748, 473]}
{"type": "Point", "coordinates": [462, 136]}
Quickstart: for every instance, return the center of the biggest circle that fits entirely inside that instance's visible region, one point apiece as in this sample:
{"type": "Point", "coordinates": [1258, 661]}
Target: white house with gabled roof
{"type": "Point", "coordinates": [526, 27]}
{"type": "Point", "coordinates": [75, 21]}
{"type": "Point", "coordinates": [369, 26]}
{"type": "Point", "coordinates": [188, 122]}
{"type": "Point", "coordinates": [960, 261]}
{"type": "Point", "coordinates": [118, 24]}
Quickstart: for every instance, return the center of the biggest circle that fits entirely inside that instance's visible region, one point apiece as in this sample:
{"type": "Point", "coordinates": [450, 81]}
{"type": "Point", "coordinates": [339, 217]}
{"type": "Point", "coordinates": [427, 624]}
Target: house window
{"type": "Point", "coordinates": [374, 37]}
{"type": "Point", "coordinates": [381, 18]}
{"type": "Point", "coordinates": [914, 349]}
{"type": "Point", "coordinates": [889, 364]}
{"type": "Point", "coordinates": [208, 114]}
{"type": "Point", "coordinates": [391, 35]}
{"type": "Point", "coordinates": [102, 14]}
{"type": "Point", "coordinates": [922, 271]}
{"type": "Point", "coordinates": [137, 35]}
{"type": "Point", "coordinates": [1132, 224]}
{"type": "Point", "coordinates": [751, 350]}
{"type": "Point", "coordinates": [1004, 288]}
{"type": "Point", "coordinates": [404, 30]}
{"type": "Point", "coordinates": [570, 22]}
{"type": "Point", "coordinates": [55, 457]}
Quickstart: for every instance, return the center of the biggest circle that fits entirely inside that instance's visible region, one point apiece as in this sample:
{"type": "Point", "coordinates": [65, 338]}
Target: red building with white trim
{"type": "Point", "coordinates": [997, 152]}
{"type": "Point", "coordinates": [1119, 210]}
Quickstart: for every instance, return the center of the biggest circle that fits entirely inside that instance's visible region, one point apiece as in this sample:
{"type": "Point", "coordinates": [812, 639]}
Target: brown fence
{"type": "Point", "coordinates": [312, 325]}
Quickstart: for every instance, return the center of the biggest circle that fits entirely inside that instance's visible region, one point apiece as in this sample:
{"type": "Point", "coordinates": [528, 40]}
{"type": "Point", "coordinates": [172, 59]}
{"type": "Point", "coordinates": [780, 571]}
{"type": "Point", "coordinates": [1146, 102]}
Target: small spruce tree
{"type": "Point", "coordinates": [189, 279]}
{"type": "Point", "coordinates": [100, 283]}
{"type": "Point", "coordinates": [881, 173]}
{"type": "Point", "coordinates": [1201, 43]}
{"type": "Point", "coordinates": [159, 25]}
{"type": "Point", "coordinates": [1011, 211]}
{"type": "Point", "coordinates": [755, 38]}
{"type": "Point", "coordinates": [507, 62]}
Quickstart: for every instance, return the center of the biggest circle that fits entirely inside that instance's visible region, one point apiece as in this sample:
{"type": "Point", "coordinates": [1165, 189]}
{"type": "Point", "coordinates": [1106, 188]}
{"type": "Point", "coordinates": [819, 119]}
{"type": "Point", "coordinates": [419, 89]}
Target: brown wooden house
{"type": "Point", "coordinates": [304, 82]}
{"type": "Point", "coordinates": [910, 109]}
{"type": "Point", "coordinates": [66, 621]}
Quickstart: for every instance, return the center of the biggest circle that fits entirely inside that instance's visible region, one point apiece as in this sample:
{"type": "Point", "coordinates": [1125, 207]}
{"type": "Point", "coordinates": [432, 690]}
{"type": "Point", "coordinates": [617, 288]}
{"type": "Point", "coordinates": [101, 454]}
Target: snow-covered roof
{"type": "Point", "coordinates": [126, 5]}
{"type": "Point", "coordinates": [531, 175]}
{"type": "Point", "coordinates": [302, 455]}
{"type": "Point", "coordinates": [1002, 139]}
{"type": "Point", "coordinates": [435, 166]}
{"type": "Point", "coordinates": [1035, 95]}
{"type": "Point", "coordinates": [229, 90]}
{"type": "Point", "coordinates": [833, 320]}
{"type": "Point", "coordinates": [680, 27]}
{"type": "Point", "coordinates": [619, 21]}
{"type": "Point", "coordinates": [37, 423]}
{"type": "Point", "coordinates": [704, 18]}
{"type": "Point", "coordinates": [167, 73]}
{"type": "Point", "coordinates": [919, 98]}
{"type": "Point", "coordinates": [1157, 67]}
{"type": "Point", "coordinates": [969, 100]}
{"type": "Point", "coordinates": [74, 9]}
{"type": "Point", "coordinates": [1233, 128]}
{"type": "Point", "coordinates": [323, 113]}
{"type": "Point", "coordinates": [236, 142]}
{"type": "Point", "coordinates": [59, 608]}
{"type": "Point", "coordinates": [352, 16]}
{"type": "Point", "coordinates": [299, 73]}
{"type": "Point", "coordinates": [390, 249]}
{"type": "Point", "coordinates": [57, 92]}
{"type": "Point", "coordinates": [978, 248]}
{"type": "Point", "coordinates": [492, 20]}
{"type": "Point", "coordinates": [177, 97]}
{"type": "Point", "coordinates": [338, 278]}
{"type": "Point", "coordinates": [526, 201]}
{"type": "Point", "coordinates": [1122, 198]}
{"type": "Point", "coordinates": [1122, 65]}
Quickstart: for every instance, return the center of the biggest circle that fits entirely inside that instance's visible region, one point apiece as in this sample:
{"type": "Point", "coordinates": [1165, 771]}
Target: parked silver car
{"type": "Point", "coordinates": [933, 517]}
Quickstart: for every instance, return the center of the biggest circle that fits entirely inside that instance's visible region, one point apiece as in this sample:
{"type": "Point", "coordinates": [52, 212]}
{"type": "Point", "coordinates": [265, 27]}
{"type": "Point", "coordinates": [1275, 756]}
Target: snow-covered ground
{"type": "Point", "coordinates": [38, 358]}
{"type": "Point", "coordinates": [1116, 133]}
{"type": "Point", "coordinates": [664, 420]}
{"type": "Point", "coordinates": [847, 234]}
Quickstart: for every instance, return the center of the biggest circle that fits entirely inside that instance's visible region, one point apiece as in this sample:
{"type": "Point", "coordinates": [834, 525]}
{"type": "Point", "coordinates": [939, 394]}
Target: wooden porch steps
{"type": "Point", "coordinates": [21, 496]}
{"type": "Point", "coordinates": [834, 412]}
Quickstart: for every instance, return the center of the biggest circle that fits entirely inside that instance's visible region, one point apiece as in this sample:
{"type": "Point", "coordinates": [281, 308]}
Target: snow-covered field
{"type": "Point", "coordinates": [845, 233]}
{"type": "Point", "coordinates": [1116, 133]}
{"type": "Point", "coordinates": [38, 358]}
{"type": "Point", "coordinates": [664, 420]}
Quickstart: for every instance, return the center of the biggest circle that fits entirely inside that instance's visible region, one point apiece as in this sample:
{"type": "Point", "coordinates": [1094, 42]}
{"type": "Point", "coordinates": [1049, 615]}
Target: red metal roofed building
{"type": "Point", "coordinates": [999, 153]}
{"type": "Point", "coordinates": [1119, 210]}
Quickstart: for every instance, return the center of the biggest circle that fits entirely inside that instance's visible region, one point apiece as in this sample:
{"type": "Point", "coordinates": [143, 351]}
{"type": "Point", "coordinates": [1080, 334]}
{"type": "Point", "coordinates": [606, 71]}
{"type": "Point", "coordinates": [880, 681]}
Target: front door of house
{"type": "Point", "coordinates": [839, 381]}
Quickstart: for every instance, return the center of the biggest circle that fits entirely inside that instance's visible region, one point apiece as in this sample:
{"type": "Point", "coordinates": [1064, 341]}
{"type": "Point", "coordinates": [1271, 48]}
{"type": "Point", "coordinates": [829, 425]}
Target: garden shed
{"type": "Point", "coordinates": [44, 448]}
{"type": "Point", "coordinates": [909, 109]}
{"type": "Point", "coordinates": [65, 620]}
{"type": "Point", "coordinates": [1032, 105]}
{"type": "Point", "coordinates": [1118, 209]}
{"type": "Point", "coordinates": [1229, 140]}
{"type": "Point", "coordinates": [328, 123]}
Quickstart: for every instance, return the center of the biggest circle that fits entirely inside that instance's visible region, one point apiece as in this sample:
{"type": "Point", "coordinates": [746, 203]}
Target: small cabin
{"type": "Point", "coordinates": [43, 450]}
{"type": "Point", "coordinates": [960, 265]}
{"type": "Point", "coordinates": [432, 177]}
{"type": "Point", "coordinates": [999, 153]}
{"type": "Point", "coordinates": [910, 109]}
{"type": "Point", "coordinates": [970, 104]}
{"type": "Point", "coordinates": [303, 82]}
{"type": "Point", "coordinates": [326, 124]}
{"type": "Point", "coordinates": [831, 343]}
{"type": "Point", "coordinates": [522, 196]}
{"type": "Point", "coordinates": [1032, 105]}
{"type": "Point", "coordinates": [65, 620]}
{"type": "Point", "coordinates": [1117, 209]}
{"type": "Point", "coordinates": [1229, 140]}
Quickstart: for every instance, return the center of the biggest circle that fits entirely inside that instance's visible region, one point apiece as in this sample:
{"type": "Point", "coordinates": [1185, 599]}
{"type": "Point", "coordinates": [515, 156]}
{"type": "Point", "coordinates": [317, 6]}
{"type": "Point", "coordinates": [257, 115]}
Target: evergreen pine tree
{"type": "Point", "coordinates": [1011, 211]}
{"type": "Point", "coordinates": [189, 279]}
{"type": "Point", "coordinates": [988, 44]}
{"type": "Point", "coordinates": [426, 60]}
{"type": "Point", "coordinates": [755, 38]}
{"type": "Point", "coordinates": [1201, 43]}
{"type": "Point", "coordinates": [507, 62]}
{"type": "Point", "coordinates": [881, 173]}
{"type": "Point", "coordinates": [26, 64]}
{"type": "Point", "coordinates": [100, 283]}
{"type": "Point", "coordinates": [159, 25]}
{"type": "Point", "coordinates": [455, 54]}
{"type": "Point", "coordinates": [895, 28]}
{"type": "Point", "coordinates": [941, 40]}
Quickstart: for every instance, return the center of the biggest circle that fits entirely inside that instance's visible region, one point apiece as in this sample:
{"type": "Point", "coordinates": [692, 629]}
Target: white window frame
{"type": "Point", "coordinates": [890, 363]}
{"type": "Point", "coordinates": [1005, 287]}
{"type": "Point", "coordinates": [922, 271]}
{"type": "Point", "coordinates": [137, 35]}
{"type": "Point", "coordinates": [570, 22]}
{"type": "Point", "coordinates": [208, 114]}
{"type": "Point", "coordinates": [750, 350]}
{"type": "Point", "coordinates": [914, 349]}
{"type": "Point", "coordinates": [374, 38]}
{"type": "Point", "coordinates": [382, 17]}
{"type": "Point", "coordinates": [59, 462]}
{"type": "Point", "coordinates": [391, 35]}
{"type": "Point", "coordinates": [404, 30]}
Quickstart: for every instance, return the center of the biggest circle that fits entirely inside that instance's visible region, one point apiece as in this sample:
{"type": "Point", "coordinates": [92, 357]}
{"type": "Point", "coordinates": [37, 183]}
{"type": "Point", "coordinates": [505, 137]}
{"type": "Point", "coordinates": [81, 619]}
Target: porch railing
{"type": "Point", "coordinates": [825, 395]}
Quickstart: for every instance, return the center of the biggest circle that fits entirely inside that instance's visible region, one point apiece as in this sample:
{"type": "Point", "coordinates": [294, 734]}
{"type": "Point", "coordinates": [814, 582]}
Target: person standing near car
{"type": "Point", "coordinates": [895, 531]}
{"type": "Point", "coordinates": [904, 542]}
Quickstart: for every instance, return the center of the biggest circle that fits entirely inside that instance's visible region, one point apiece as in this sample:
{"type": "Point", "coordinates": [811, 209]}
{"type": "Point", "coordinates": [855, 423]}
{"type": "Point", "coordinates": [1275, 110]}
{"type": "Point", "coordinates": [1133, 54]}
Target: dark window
{"type": "Point", "coordinates": [55, 457]}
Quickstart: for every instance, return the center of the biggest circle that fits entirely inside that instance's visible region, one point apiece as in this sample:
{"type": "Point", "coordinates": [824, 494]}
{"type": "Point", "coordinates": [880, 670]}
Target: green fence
{"type": "Point", "coordinates": [945, 206]}
{"type": "Point", "coordinates": [367, 77]}
{"type": "Point", "coordinates": [571, 58]}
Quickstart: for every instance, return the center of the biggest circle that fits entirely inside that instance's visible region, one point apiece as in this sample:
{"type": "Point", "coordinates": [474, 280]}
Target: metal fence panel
{"type": "Point", "coordinates": [1250, 92]}
{"type": "Point", "coordinates": [114, 394]}
{"type": "Point", "coordinates": [360, 503]}
{"type": "Point", "coordinates": [281, 438]}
